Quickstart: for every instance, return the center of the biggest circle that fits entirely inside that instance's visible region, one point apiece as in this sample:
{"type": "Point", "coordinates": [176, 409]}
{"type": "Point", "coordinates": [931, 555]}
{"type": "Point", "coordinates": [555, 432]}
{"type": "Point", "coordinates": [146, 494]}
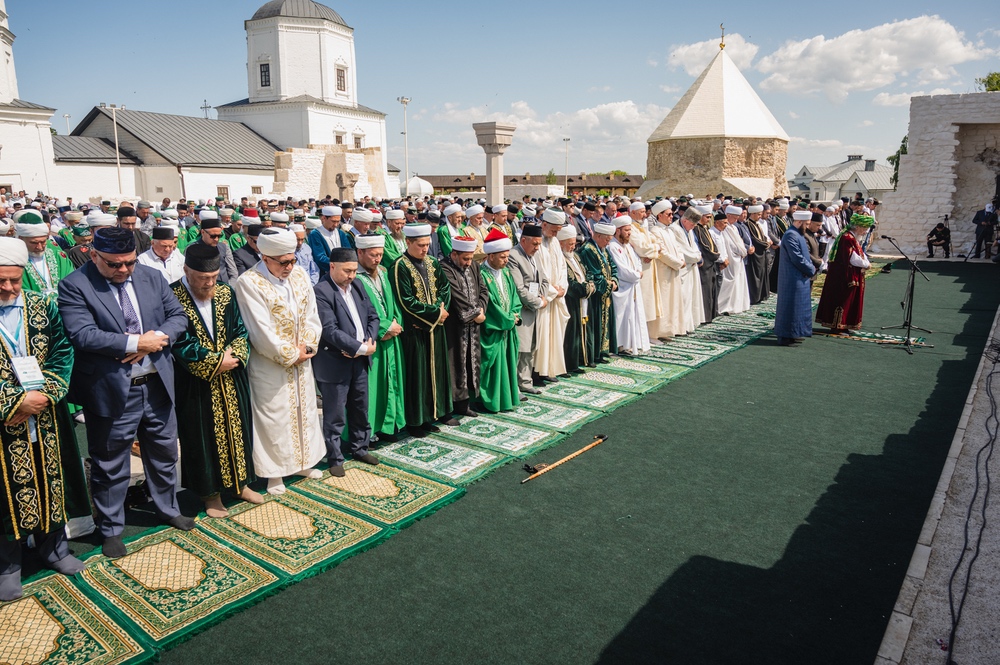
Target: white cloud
{"type": "Point", "coordinates": [903, 98]}
{"type": "Point", "coordinates": [695, 57]}
{"type": "Point", "coordinates": [670, 88]}
{"type": "Point", "coordinates": [601, 88]}
{"type": "Point", "coordinates": [867, 123]}
{"type": "Point", "coordinates": [870, 59]}
{"type": "Point", "coordinates": [816, 143]}
{"type": "Point", "coordinates": [793, 115]}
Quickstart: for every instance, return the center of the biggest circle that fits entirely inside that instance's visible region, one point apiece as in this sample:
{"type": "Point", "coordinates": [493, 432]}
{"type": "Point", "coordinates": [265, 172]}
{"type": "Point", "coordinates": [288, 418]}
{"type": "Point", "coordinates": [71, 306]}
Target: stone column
{"type": "Point", "coordinates": [494, 137]}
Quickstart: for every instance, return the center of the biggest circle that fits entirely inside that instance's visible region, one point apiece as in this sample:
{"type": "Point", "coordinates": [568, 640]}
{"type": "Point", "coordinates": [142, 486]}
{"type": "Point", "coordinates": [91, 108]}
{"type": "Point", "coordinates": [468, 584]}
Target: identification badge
{"type": "Point", "coordinates": [533, 288]}
{"type": "Point", "coordinates": [29, 374]}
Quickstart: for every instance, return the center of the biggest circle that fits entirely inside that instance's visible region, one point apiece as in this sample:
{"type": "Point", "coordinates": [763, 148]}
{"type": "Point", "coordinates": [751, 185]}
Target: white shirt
{"type": "Point", "coordinates": [332, 237]}
{"type": "Point", "coordinates": [204, 308]}
{"type": "Point", "coordinates": [144, 366]}
{"type": "Point", "coordinates": [720, 244]}
{"type": "Point", "coordinates": [352, 307]}
{"type": "Point", "coordinates": [172, 269]}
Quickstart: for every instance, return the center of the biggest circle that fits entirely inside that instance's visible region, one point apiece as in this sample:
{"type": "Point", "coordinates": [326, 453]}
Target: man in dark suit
{"type": "Point", "coordinates": [248, 256]}
{"type": "Point", "coordinates": [122, 318]}
{"type": "Point", "coordinates": [127, 219]}
{"type": "Point", "coordinates": [350, 328]}
{"type": "Point", "coordinates": [985, 220]}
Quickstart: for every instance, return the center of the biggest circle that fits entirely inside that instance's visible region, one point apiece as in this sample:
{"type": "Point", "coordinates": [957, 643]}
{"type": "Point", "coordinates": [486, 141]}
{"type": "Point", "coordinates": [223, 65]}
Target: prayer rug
{"type": "Point", "coordinates": [688, 352]}
{"type": "Point", "coordinates": [54, 622]}
{"type": "Point", "coordinates": [592, 397]}
{"type": "Point", "coordinates": [636, 367]}
{"type": "Point", "coordinates": [538, 413]}
{"type": "Point", "coordinates": [381, 493]}
{"type": "Point", "coordinates": [294, 533]}
{"type": "Point", "coordinates": [175, 582]}
{"type": "Point", "coordinates": [733, 337]}
{"type": "Point", "coordinates": [497, 435]}
{"type": "Point", "coordinates": [442, 459]}
{"type": "Point", "coordinates": [602, 377]}
{"type": "Point", "coordinates": [877, 338]}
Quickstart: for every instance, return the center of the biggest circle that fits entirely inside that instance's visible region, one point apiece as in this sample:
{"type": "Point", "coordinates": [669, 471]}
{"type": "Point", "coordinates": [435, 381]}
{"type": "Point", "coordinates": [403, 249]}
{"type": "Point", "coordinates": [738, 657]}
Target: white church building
{"type": "Point", "coordinates": [302, 93]}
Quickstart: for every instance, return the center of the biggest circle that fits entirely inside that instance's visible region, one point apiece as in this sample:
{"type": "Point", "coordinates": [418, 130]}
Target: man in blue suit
{"type": "Point", "coordinates": [328, 237]}
{"type": "Point", "coordinates": [350, 328]}
{"type": "Point", "coordinates": [122, 319]}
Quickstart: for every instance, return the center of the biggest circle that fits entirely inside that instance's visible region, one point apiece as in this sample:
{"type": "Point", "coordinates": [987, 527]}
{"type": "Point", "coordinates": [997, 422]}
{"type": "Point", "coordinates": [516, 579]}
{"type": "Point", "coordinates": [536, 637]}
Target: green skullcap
{"type": "Point", "coordinates": [864, 221]}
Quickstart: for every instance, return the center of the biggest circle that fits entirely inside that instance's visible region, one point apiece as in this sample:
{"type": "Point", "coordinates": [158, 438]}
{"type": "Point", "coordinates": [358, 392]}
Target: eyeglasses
{"type": "Point", "coordinates": [215, 236]}
{"type": "Point", "coordinates": [115, 265]}
{"type": "Point", "coordinates": [283, 264]}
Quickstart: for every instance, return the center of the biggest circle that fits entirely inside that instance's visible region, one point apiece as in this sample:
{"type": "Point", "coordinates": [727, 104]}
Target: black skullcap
{"type": "Point", "coordinates": [114, 240]}
{"type": "Point", "coordinates": [719, 216]}
{"type": "Point", "coordinates": [202, 258]}
{"type": "Point", "coordinates": [125, 212]}
{"type": "Point", "coordinates": [210, 224]}
{"type": "Point", "coordinates": [163, 233]}
{"type": "Point", "coordinates": [253, 230]}
{"type": "Point", "coordinates": [182, 207]}
{"type": "Point", "coordinates": [531, 231]}
{"type": "Point", "coordinates": [513, 209]}
{"type": "Point", "coordinates": [343, 255]}
{"type": "Point", "coordinates": [817, 217]}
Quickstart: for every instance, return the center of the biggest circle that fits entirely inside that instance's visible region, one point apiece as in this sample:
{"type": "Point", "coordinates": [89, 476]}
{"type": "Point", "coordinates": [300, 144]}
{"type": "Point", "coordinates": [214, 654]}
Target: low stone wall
{"type": "Point", "coordinates": [699, 165]}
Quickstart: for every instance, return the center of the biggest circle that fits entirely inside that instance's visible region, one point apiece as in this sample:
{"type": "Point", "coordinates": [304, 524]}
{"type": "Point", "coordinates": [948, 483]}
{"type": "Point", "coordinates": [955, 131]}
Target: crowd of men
{"type": "Point", "coordinates": [210, 328]}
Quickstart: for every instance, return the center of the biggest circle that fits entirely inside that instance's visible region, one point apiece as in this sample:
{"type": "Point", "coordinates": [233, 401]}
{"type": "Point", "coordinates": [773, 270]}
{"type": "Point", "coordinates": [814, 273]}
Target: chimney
{"type": "Point", "coordinates": [869, 165]}
{"type": "Point", "coordinates": [854, 158]}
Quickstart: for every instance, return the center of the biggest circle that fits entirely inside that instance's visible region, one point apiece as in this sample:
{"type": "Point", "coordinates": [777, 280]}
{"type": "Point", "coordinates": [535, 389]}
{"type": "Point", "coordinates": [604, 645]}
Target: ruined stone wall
{"type": "Point", "coordinates": [697, 166]}
{"type": "Point", "coordinates": [952, 150]}
{"type": "Point", "coordinates": [320, 169]}
{"type": "Point", "coordinates": [757, 158]}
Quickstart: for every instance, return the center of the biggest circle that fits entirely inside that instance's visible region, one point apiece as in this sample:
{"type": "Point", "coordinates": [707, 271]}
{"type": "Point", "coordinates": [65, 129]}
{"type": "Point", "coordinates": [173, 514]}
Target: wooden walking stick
{"type": "Point", "coordinates": [536, 471]}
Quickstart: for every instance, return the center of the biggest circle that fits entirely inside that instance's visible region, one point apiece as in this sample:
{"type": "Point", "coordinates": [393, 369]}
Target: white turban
{"type": "Point", "coordinates": [376, 216]}
{"type": "Point", "coordinates": [13, 252]}
{"type": "Point", "coordinates": [169, 213]}
{"type": "Point", "coordinates": [472, 211]}
{"type": "Point", "coordinates": [5, 226]}
{"type": "Point", "coordinates": [501, 245]}
{"type": "Point", "coordinates": [452, 209]}
{"type": "Point", "coordinates": [638, 205]}
{"type": "Point", "coordinates": [752, 209]}
{"type": "Point", "coordinates": [313, 223]}
{"type": "Point", "coordinates": [417, 230]}
{"type": "Point", "coordinates": [362, 215]}
{"type": "Point", "coordinates": [703, 210]}
{"type": "Point", "coordinates": [207, 214]}
{"type": "Point", "coordinates": [802, 215]}
{"type": "Point", "coordinates": [553, 216]}
{"type": "Point", "coordinates": [277, 243]}
{"type": "Point", "coordinates": [31, 230]}
{"type": "Point", "coordinates": [296, 228]}
{"type": "Point", "coordinates": [370, 241]}
{"type": "Point", "coordinates": [101, 219]}
{"type": "Point", "coordinates": [394, 214]}
{"type": "Point", "coordinates": [783, 204]}
{"type": "Point", "coordinates": [621, 220]}
{"type": "Point", "coordinates": [566, 232]}
{"type": "Point", "coordinates": [498, 208]}
{"type": "Point", "coordinates": [661, 206]}
{"type": "Point", "coordinates": [331, 211]}
{"type": "Point", "coordinates": [279, 217]}
{"type": "Point", "coordinates": [605, 229]}
{"type": "Point", "coordinates": [734, 210]}
{"type": "Point", "coordinates": [463, 244]}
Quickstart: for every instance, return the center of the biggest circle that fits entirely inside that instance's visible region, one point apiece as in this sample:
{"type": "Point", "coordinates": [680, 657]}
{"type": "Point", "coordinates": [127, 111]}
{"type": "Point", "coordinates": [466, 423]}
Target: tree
{"type": "Point", "coordinates": [989, 83]}
{"type": "Point", "coordinates": [894, 160]}
{"type": "Point", "coordinates": [53, 131]}
{"type": "Point", "coordinates": [613, 173]}
{"type": "Point", "coordinates": [550, 177]}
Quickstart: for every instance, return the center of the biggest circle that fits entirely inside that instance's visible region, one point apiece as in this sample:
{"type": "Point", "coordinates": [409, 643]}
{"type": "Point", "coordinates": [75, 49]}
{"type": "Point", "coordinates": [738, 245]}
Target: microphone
{"type": "Point", "coordinates": [887, 238]}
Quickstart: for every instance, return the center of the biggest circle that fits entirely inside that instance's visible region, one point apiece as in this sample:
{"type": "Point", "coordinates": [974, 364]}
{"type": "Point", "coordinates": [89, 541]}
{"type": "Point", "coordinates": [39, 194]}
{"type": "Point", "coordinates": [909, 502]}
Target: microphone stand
{"type": "Point", "coordinates": [907, 303]}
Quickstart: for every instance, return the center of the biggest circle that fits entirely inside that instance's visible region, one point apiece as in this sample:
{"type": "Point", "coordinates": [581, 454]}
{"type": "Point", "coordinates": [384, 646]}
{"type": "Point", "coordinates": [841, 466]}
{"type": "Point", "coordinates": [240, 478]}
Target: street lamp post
{"type": "Point", "coordinates": [66, 117]}
{"type": "Point", "coordinates": [566, 184]}
{"type": "Point", "coordinates": [118, 157]}
{"type": "Point", "coordinates": [406, 145]}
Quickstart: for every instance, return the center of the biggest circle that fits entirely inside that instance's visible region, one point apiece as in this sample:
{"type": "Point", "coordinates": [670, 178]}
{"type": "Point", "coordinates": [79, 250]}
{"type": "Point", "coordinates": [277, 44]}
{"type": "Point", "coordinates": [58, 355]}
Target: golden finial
{"type": "Point", "coordinates": [722, 45]}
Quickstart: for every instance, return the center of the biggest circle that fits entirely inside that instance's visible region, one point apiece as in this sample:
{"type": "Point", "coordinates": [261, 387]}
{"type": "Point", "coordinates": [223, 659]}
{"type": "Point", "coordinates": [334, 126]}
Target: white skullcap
{"type": "Point", "coordinates": [362, 215]}
{"type": "Point", "coordinates": [227, 212]}
{"type": "Point", "coordinates": [734, 210]}
{"type": "Point", "coordinates": [463, 244]}
{"type": "Point", "coordinates": [31, 230]}
{"type": "Point", "coordinates": [13, 252]}
{"type": "Point", "coordinates": [101, 219]}
{"type": "Point", "coordinates": [605, 229]}
{"type": "Point", "coordinates": [277, 243]}
{"type": "Point", "coordinates": [502, 245]}
{"type": "Point", "coordinates": [279, 217]}
{"type": "Point", "coordinates": [566, 232]}
{"type": "Point", "coordinates": [169, 213]}
{"type": "Point", "coordinates": [313, 223]}
{"type": "Point", "coordinates": [4, 226]}
{"type": "Point", "coordinates": [452, 209]}
{"type": "Point", "coordinates": [638, 205]}
{"type": "Point", "coordinates": [395, 214]}
{"type": "Point", "coordinates": [332, 211]}
{"type": "Point", "coordinates": [477, 209]}
{"type": "Point", "coordinates": [417, 230]}
{"type": "Point", "coordinates": [553, 216]}
{"type": "Point", "coordinates": [296, 228]}
{"type": "Point", "coordinates": [802, 215]}
{"type": "Point", "coordinates": [531, 207]}
{"type": "Point", "coordinates": [207, 214]}
{"type": "Point", "coordinates": [661, 206]}
{"type": "Point", "coordinates": [783, 204]}
{"type": "Point", "coordinates": [703, 210]}
{"type": "Point", "coordinates": [621, 220]}
{"type": "Point", "coordinates": [498, 208]}
{"type": "Point", "coordinates": [370, 241]}
{"type": "Point", "coordinates": [752, 209]}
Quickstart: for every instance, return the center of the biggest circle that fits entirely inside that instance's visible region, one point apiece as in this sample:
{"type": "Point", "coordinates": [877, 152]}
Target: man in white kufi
{"type": "Point", "coordinates": [630, 314]}
{"type": "Point", "coordinates": [550, 322]}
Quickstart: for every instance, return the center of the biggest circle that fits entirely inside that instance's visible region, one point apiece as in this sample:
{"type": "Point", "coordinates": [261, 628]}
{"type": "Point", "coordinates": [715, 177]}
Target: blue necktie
{"type": "Point", "coordinates": [131, 318]}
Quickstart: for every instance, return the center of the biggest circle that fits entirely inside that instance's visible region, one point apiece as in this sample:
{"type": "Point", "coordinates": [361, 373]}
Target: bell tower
{"type": "Point", "coordinates": [8, 77]}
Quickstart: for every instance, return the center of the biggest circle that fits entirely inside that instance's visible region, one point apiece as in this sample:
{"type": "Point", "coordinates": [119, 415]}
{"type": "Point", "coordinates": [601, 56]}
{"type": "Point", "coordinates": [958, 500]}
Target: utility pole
{"type": "Point", "coordinates": [406, 144]}
{"type": "Point", "coordinates": [566, 183]}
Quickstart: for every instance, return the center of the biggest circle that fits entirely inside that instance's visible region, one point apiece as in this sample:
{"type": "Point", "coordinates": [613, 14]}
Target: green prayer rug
{"type": "Point", "coordinates": [442, 459]}
{"type": "Point", "coordinates": [500, 436]}
{"type": "Point", "coordinates": [688, 352]}
{"type": "Point", "coordinates": [877, 338]}
{"type": "Point", "coordinates": [539, 413]}
{"type": "Point", "coordinates": [293, 533]}
{"type": "Point", "coordinates": [633, 383]}
{"type": "Point", "coordinates": [641, 368]}
{"type": "Point", "coordinates": [54, 622]}
{"type": "Point", "coordinates": [589, 396]}
{"type": "Point", "coordinates": [172, 582]}
{"type": "Point", "coordinates": [381, 493]}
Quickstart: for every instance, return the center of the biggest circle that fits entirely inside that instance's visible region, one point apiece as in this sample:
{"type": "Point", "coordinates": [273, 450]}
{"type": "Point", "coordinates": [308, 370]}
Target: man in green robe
{"type": "Point", "coordinates": [602, 340]}
{"type": "Point", "coordinates": [453, 226]}
{"type": "Point", "coordinates": [233, 234]}
{"type": "Point", "coordinates": [386, 408]}
{"type": "Point", "coordinates": [424, 294]}
{"type": "Point", "coordinates": [395, 242]}
{"type": "Point", "coordinates": [72, 219]}
{"type": "Point", "coordinates": [212, 387]}
{"type": "Point", "coordinates": [46, 264]}
{"type": "Point", "coordinates": [498, 390]}
{"type": "Point", "coordinates": [43, 476]}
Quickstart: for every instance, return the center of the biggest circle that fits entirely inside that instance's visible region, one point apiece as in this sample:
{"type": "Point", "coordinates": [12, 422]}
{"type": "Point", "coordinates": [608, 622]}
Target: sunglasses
{"type": "Point", "coordinates": [115, 265]}
{"type": "Point", "coordinates": [283, 264]}
{"type": "Point", "coordinates": [215, 236]}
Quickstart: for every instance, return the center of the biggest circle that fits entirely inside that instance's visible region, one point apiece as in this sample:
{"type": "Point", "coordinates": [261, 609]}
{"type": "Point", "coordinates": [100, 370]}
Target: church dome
{"type": "Point", "coordinates": [297, 9]}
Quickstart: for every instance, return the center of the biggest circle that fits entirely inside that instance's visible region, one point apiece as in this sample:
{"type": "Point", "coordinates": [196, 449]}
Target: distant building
{"type": "Point", "coordinates": [720, 137]}
{"type": "Point", "coordinates": [848, 178]}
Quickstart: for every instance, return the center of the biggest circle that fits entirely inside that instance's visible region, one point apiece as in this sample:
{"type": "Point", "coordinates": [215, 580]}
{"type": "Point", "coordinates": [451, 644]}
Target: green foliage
{"type": "Point", "coordinates": [550, 177]}
{"type": "Point", "coordinates": [53, 131]}
{"type": "Point", "coordinates": [989, 83]}
{"type": "Point", "coordinates": [894, 160]}
{"type": "Point", "coordinates": [614, 173]}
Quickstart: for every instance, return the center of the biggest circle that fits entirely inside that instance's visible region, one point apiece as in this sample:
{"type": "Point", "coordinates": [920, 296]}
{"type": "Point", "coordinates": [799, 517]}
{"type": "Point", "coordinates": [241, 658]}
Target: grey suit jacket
{"type": "Point", "coordinates": [526, 273]}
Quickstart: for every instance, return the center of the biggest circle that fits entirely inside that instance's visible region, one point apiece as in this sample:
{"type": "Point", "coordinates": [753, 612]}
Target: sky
{"type": "Point", "coordinates": [603, 75]}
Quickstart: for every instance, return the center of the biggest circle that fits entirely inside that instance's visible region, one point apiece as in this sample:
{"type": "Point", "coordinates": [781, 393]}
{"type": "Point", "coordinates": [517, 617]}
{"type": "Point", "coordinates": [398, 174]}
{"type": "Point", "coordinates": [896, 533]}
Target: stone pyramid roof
{"type": "Point", "coordinates": [720, 103]}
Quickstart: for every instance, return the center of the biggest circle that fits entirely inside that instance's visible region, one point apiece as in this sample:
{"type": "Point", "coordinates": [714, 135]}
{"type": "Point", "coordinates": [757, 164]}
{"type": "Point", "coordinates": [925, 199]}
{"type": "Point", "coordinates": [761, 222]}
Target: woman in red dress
{"type": "Point", "coordinates": [842, 303]}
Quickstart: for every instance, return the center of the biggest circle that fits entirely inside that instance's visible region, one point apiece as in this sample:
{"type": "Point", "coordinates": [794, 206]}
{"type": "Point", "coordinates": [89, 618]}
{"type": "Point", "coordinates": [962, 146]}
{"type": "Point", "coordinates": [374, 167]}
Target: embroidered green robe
{"type": "Point", "coordinates": [498, 389]}
{"type": "Point", "coordinates": [213, 411]}
{"type": "Point", "coordinates": [425, 350]}
{"type": "Point", "coordinates": [386, 378]}
{"type": "Point", "coordinates": [44, 481]}
{"type": "Point", "coordinates": [188, 236]}
{"type": "Point", "coordinates": [602, 339]}
{"type": "Point", "coordinates": [444, 236]}
{"type": "Point", "coordinates": [59, 266]}
{"type": "Point", "coordinates": [236, 240]}
{"type": "Point", "coordinates": [392, 250]}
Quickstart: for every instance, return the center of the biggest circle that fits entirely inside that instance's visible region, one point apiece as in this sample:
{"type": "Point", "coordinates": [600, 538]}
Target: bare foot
{"type": "Point", "coordinates": [276, 486]}
{"type": "Point", "coordinates": [214, 507]}
{"type": "Point", "coordinates": [310, 473]}
{"type": "Point", "coordinates": [250, 496]}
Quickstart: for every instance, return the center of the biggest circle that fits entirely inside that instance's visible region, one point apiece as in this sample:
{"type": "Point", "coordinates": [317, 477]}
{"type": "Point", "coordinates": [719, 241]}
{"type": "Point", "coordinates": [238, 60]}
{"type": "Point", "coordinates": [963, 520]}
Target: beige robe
{"type": "Point", "coordinates": [550, 324]}
{"type": "Point", "coordinates": [669, 261]}
{"type": "Point", "coordinates": [287, 435]}
{"type": "Point", "coordinates": [646, 247]}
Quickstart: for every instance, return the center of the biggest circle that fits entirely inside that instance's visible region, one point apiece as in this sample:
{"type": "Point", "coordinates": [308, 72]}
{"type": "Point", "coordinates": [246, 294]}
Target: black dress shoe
{"type": "Point", "coordinates": [337, 471]}
{"type": "Point", "coordinates": [567, 375]}
{"type": "Point", "coordinates": [388, 438]}
{"type": "Point", "coordinates": [538, 383]}
{"type": "Point", "coordinates": [550, 379]}
{"type": "Point", "coordinates": [416, 432]}
{"type": "Point", "coordinates": [113, 547]}
{"type": "Point", "coordinates": [433, 428]}
{"type": "Point", "coordinates": [531, 391]}
{"type": "Point", "coordinates": [181, 522]}
{"type": "Point", "coordinates": [451, 422]}
{"type": "Point", "coordinates": [367, 458]}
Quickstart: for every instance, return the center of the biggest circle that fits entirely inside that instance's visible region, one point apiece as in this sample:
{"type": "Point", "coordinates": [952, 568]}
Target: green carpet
{"type": "Point", "coordinates": [733, 516]}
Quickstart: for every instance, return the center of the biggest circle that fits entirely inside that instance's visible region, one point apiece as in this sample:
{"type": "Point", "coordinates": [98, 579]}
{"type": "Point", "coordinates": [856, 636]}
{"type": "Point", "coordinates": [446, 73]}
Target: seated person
{"type": "Point", "coordinates": [940, 236]}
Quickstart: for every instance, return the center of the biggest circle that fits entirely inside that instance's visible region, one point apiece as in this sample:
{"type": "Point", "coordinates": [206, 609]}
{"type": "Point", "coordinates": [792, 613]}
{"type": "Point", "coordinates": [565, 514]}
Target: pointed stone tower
{"type": "Point", "coordinates": [720, 137]}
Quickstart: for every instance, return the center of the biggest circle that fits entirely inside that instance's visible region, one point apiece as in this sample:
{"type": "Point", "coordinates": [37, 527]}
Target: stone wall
{"type": "Point", "coordinates": [757, 158]}
{"type": "Point", "coordinates": [329, 169]}
{"type": "Point", "coordinates": [950, 169]}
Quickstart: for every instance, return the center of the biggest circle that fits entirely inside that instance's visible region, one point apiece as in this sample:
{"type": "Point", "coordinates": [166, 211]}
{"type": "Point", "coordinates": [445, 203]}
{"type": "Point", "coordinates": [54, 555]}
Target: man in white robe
{"type": "Point", "coordinates": [279, 310]}
{"type": "Point", "coordinates": [692, 303]}
{"type": "Point", "coordinates": [734, 294]}
{"type": "Point", "coordinates": [550, 323]}
{"type": "Point", "coordinates": [647, 249]}
{"type": "Point", "coordinates": [669, 263]}
{"type": "Point", "coordinates": [630, 314]}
